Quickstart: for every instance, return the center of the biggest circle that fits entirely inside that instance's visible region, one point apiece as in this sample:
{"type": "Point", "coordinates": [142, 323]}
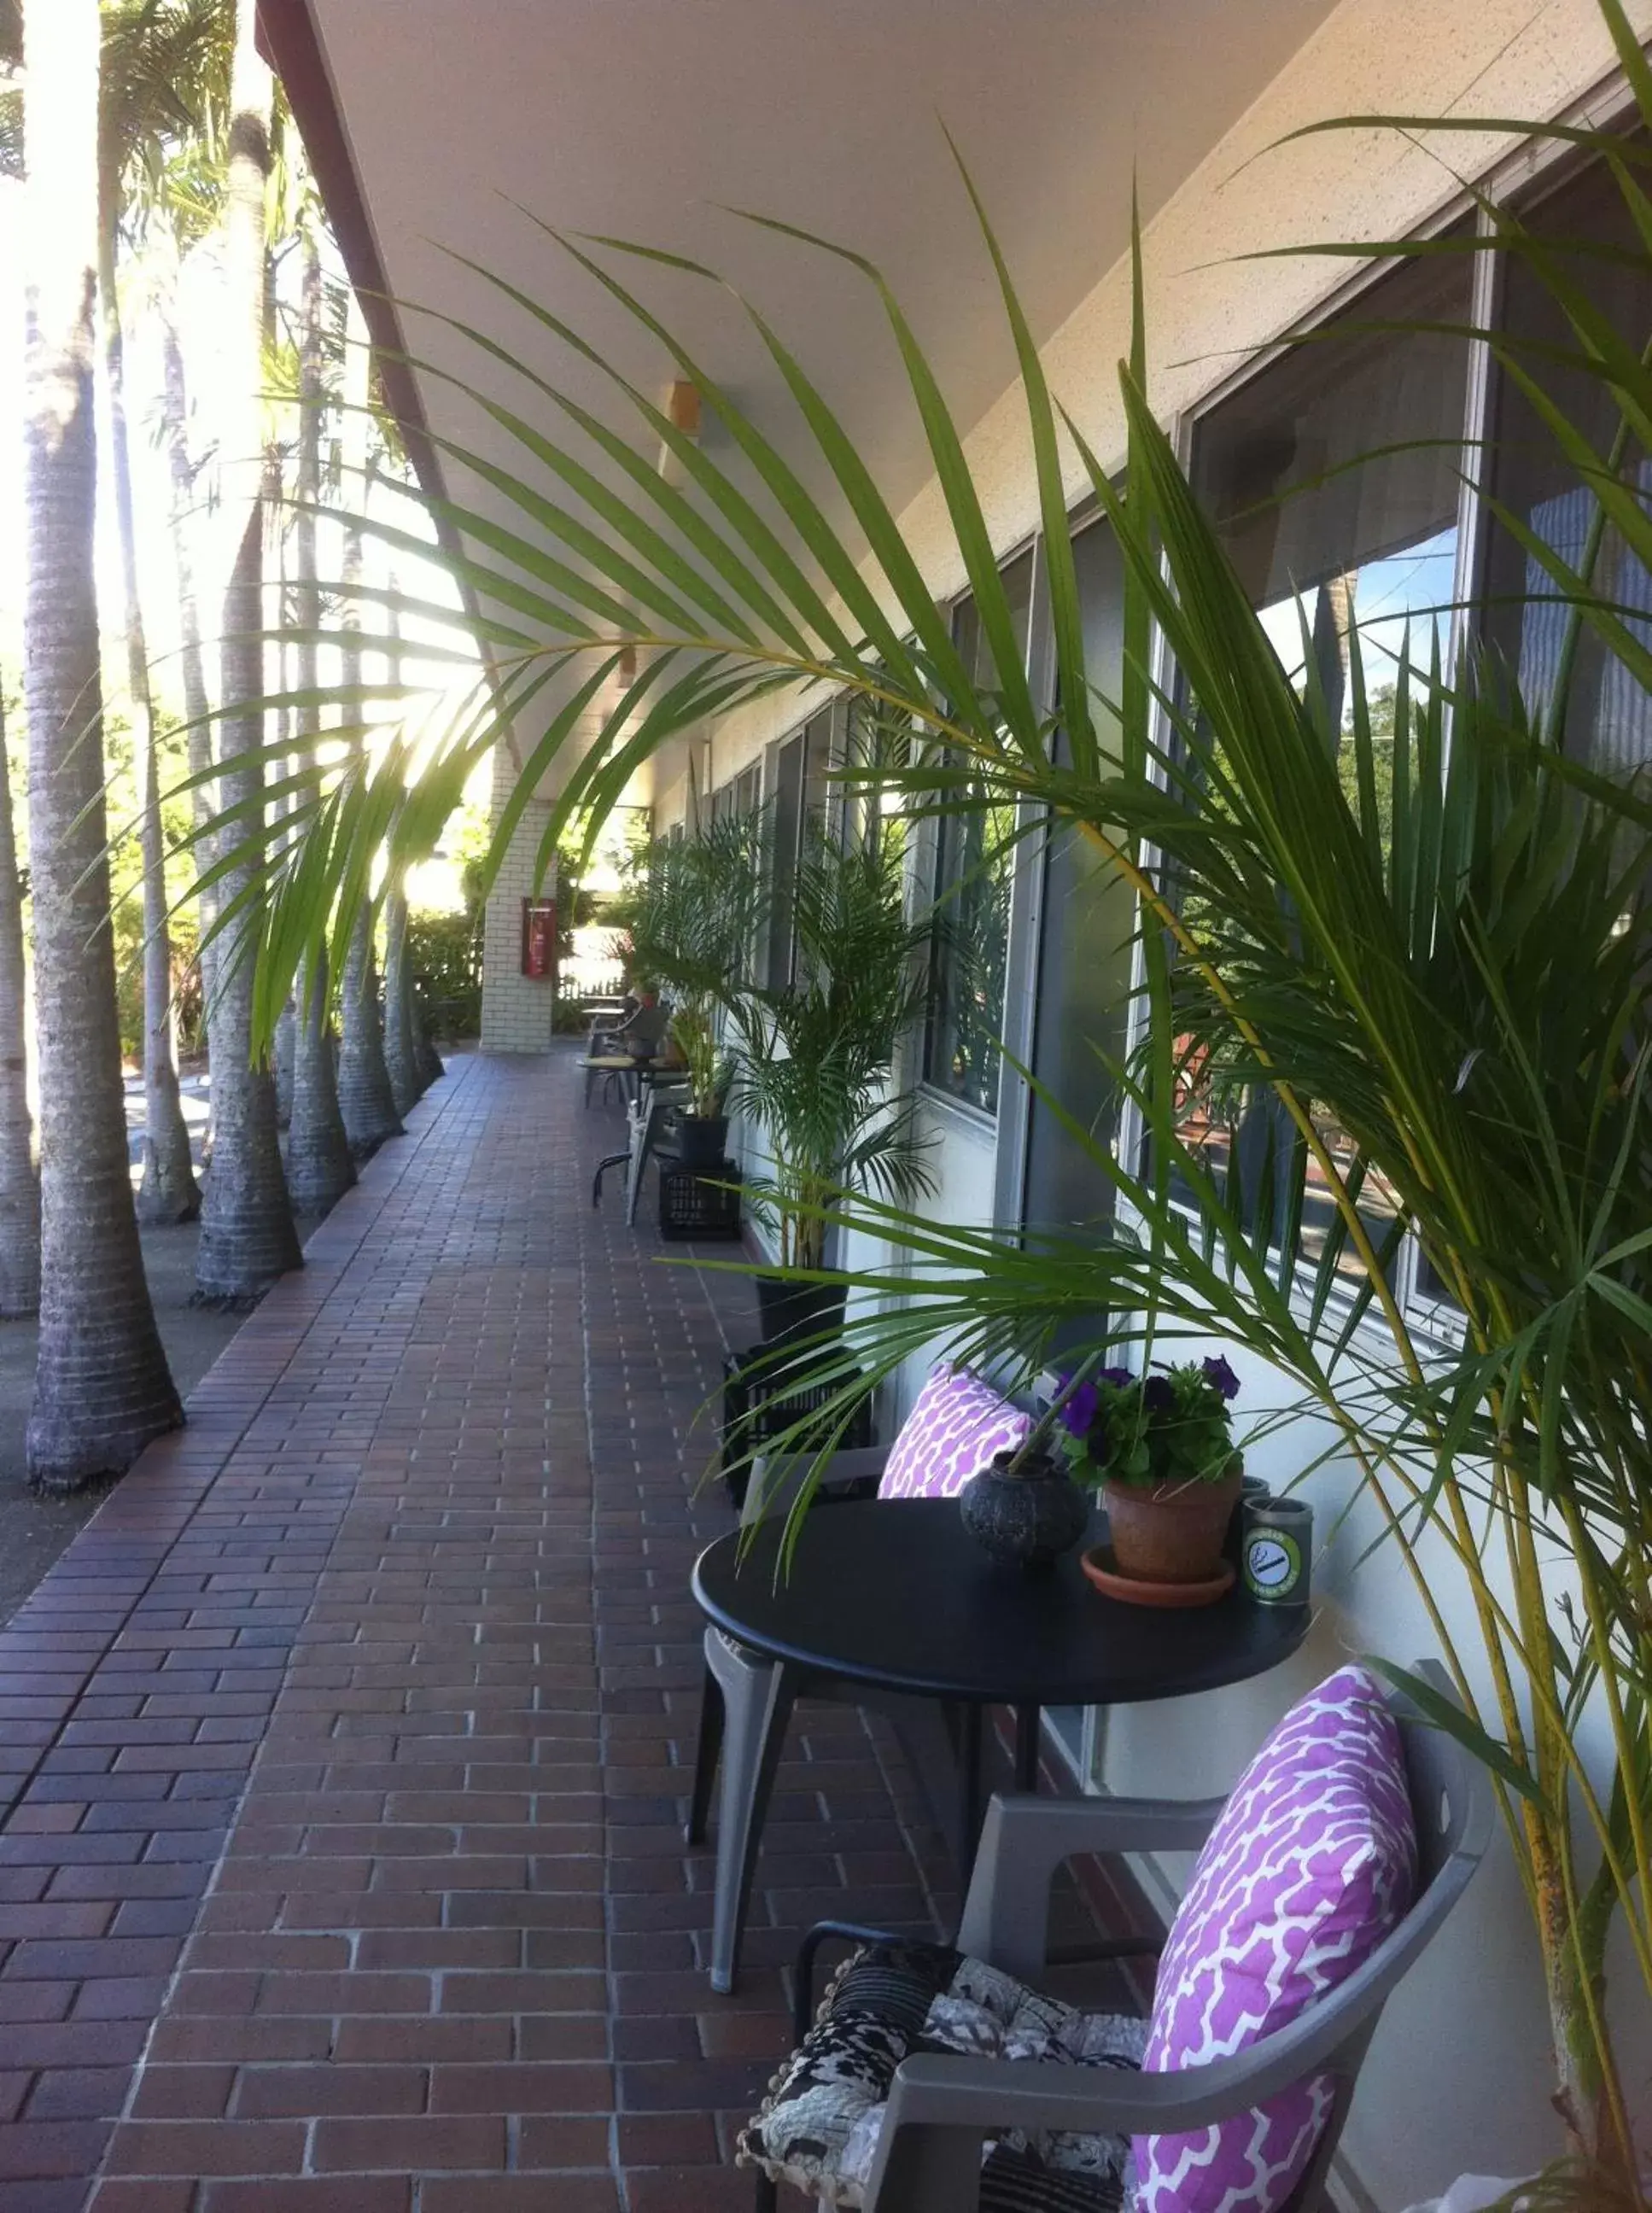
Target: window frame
{"type": "Point", "coordinates": [1532, 171]}
{"type": "Point", "coordinates": [927, 873]}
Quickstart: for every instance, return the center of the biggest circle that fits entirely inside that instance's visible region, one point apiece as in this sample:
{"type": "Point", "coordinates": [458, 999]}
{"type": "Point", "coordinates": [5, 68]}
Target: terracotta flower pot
{"type": "Point", "coordinates": [1171, 1532]}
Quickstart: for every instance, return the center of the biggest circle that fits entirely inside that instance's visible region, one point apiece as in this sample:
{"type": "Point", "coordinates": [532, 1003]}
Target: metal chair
{"type": "Point", "coordinates": [941, 2106]}
{"type": "Point", "coordinates": [601, 1028]}
{"type": "Point", "coordinates": [660, 1098]}
{"type": "Point", "coordinates": [746, 1703]}
{"type": "Point", "coordinates": [645, 1122]}
{"type": "Point", "coordinates": [636, 1039]}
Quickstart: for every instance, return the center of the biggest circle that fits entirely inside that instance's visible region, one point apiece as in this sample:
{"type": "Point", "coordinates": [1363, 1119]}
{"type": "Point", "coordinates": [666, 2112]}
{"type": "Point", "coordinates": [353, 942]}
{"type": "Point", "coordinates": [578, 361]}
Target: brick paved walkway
{"type": "Point", "coordinates": [345, 1750]}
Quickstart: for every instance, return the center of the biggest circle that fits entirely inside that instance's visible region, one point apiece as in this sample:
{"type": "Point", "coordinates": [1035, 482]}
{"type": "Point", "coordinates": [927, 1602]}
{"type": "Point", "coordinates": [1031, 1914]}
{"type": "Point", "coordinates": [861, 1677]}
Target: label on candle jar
{"type": "Point", "coordinates": [1274, 1554]}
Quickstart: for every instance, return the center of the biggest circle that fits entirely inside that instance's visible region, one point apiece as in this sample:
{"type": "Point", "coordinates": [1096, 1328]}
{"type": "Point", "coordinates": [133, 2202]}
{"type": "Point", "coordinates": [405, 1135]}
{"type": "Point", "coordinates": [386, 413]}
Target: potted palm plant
{"type": "Point", "coordinates": [816, 1061]}
{"type": "Point", "coordinates": [693, 910]}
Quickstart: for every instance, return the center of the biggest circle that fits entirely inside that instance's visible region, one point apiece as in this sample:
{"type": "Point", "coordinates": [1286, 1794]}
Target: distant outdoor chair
{"type": "Point", "coordinates": [955, 1426]}
{"type": "Point", "coordinates": [647, 1120]}
{"type": "Point", "coordinates": [1303, 1913]}
{"type": "Point", "coordinates": [661, 1102]}
{"type": "Point", "coordinates": [630, 1042]}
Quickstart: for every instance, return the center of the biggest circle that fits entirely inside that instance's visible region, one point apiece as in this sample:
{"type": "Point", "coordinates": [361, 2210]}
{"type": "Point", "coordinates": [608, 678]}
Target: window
{"type": "Point", "coordinates": [819, 795]}
{"type": "Point", "coordinates": [800, 807]}
{"type": "Point", "coordinates": [1086, 929]}
{"type": "Point", "coordinates": [972, 862]}
{"type": "Point", "coordinates": [1608, 714]}
{"type": "Point", "coordinates": [740, 794]}
{"type": "Point", "coordinates": [783, 829]}
{"type": "Point", "coordinates": [1334, 477]}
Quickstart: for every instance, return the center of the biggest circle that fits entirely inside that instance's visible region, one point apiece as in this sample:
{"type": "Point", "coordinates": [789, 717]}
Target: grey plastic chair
{"type": "Point", "coordinates": [746, 1703]}
{"type": "Point", "coordinates": [941, 2105]}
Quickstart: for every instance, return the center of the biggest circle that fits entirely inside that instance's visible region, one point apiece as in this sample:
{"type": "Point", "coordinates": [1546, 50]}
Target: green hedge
{"type": "Point", "coordinates": [446, 950]}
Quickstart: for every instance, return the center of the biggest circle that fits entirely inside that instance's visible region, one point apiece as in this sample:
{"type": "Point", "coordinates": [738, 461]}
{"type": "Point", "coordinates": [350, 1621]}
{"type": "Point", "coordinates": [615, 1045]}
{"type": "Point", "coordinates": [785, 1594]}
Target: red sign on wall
{"type": "Point", "coordinates": [538, 937]}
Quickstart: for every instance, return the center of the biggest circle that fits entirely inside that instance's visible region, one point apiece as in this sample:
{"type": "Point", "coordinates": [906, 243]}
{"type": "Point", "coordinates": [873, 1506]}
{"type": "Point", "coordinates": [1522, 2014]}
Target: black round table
{"type": "Point", "coordinates": [896, 1595]}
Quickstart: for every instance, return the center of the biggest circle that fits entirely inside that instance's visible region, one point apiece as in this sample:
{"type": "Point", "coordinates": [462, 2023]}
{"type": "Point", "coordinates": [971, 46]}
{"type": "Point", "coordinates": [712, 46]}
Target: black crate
{"type": "Point", "coordinates": [757, 1406]}
{"type": "Point", "coordinates": [696, 1205]}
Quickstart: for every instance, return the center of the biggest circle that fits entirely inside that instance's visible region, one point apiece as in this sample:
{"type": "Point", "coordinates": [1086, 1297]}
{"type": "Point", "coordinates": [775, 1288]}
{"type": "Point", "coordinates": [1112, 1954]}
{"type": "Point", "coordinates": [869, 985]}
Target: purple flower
{"type": "Point", "coordinates": [1120, 1378]}
{"type": "Point", "coordinates": [1218, 1373]}
{"type": "Point", "coordinates": [1159, 1395]}
{"type": "Point", "coordinates": [1078, 1412]}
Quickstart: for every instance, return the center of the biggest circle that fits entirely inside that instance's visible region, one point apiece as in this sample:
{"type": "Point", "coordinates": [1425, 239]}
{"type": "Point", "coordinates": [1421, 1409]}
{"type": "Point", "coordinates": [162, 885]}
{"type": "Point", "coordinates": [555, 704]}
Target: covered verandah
{"type": "Point", "coordinates": [348, 1749]}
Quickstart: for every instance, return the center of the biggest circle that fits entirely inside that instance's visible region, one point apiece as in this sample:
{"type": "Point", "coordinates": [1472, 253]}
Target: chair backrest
{"type": "Point", "coordinates": [1452, 1809]}
{"type": "Point", "coordinates": [644, 1031]}
{"type": "Point", "coordinates": [956, 1424]}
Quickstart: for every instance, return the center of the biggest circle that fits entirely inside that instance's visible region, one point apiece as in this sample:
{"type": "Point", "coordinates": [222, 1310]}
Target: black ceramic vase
{"type": "Point", "coordinates": [1027, 1520]}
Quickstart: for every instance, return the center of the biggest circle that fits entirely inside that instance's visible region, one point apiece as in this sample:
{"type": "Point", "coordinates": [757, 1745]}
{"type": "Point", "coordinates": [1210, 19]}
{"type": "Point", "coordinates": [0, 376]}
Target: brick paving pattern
{"type": "Point", "coordinates": [345, 1752]}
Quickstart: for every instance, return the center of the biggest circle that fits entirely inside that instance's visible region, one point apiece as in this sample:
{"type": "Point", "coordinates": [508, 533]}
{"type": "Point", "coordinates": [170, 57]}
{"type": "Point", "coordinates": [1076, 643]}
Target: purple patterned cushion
{"type": "Point", "coordinates": [1313, 1862]}
{"type": "Point", "coordinates": [956, 1424]}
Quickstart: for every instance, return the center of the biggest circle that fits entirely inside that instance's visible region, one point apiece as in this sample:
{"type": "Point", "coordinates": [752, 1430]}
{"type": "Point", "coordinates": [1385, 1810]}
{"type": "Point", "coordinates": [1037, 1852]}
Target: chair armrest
{"type": "Point", "coordinates": [941, 2105]}
{"type": "Point", "coordinates": [987, 2096]}
{"type": "Point", "coordinates": [827, 1932]}
{"type": "Point", "coordinates": [1025, 1840]}
{"type": "Point", "coordinates": [776, 1482]}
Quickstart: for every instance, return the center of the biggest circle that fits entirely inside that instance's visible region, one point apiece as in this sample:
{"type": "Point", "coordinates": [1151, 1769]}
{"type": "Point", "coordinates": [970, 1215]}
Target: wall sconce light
{"type": "Point", "coordinates": [682, 410]}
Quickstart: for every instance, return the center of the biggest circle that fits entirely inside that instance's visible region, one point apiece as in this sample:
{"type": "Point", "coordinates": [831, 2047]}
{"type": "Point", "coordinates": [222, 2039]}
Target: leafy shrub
{"type": "Point", "coordinates": [446, 951]}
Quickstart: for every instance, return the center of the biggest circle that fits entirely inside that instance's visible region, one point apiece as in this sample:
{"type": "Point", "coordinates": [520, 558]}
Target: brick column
{"type": "Point", "coordinates": [516, 1009]}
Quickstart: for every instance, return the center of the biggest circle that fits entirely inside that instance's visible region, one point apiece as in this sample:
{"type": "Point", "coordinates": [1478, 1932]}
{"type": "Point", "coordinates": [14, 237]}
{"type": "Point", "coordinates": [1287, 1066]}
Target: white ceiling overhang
{"type": "Point", "coordinates": [649, 119]}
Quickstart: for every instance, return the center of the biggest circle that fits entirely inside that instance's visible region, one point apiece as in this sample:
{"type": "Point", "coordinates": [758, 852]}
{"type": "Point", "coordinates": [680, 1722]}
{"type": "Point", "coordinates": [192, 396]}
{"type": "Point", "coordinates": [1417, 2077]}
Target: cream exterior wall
{"type": "Point", "coordinates": [1459, 2077]}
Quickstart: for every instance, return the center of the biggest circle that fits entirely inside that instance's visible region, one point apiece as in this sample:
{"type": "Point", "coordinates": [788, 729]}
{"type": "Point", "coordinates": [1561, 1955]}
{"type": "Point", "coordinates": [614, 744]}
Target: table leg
{"type": "Point", "coordinates": [1028, 1720]}
{"type": "Point", "coordinates": [970, 1811]}
{"type": "Point", "coordinates": [748, 1784]}
{"type": "Point", "coordinates": [708, 1749]}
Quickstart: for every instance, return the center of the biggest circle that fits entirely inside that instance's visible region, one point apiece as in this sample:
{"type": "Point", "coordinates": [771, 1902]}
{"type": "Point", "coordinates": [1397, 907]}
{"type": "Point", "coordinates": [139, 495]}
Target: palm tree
{"type": "Point", "coordinates": [364, 1088]}
{"type": "Point", "coordinates": [102, 1389]}
{"type": "Point", "coordinates": [400, 1015]}
{"type": "Point", "coordinates": [426, 1058]}
{"type": "Point", "coordinates": [248, 1237]}
{"type": "Point", "coordinates": [401, 1052]}
{"type": "Point", "coordinates": [162, 70]}
{"type": "Point", "coordinates": [198, 705]}
{"type": "Point", "coordinates": [818, 1049]}
{"type": "Point", "coordinates": [19, 1180]}
{"type": "Point", "coordinates": [319, 1169]}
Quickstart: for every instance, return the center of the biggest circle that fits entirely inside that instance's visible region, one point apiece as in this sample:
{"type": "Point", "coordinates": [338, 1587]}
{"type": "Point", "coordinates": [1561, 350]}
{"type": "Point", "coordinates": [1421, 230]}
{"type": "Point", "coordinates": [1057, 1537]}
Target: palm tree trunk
{"type": "Point", "coordinates": [197, 704]}
{"type": "Point", "coordinates": [365, 1093]}
{"type": "Point", "coordinates": [248, 1237]}
{"type": "Point", "coordinates": [167, 1191]}
{"type": "Point", "coordinates": [286, 1064]}
{"type": "Point", "coordinates": [364, 1090]}
{"type": "Point", "coordinates": [275, 568]}
{"type": "Point", "coordinates": [319, 1169]}
{"type": "Point", "coordinates": [431, 1070]}
{"type": "Point", "coordinates": [102, 1389]}
{"type": "Point", "coordinates": [400, 1045]}
{"type": "Point", "coordinates": [20, 1181]}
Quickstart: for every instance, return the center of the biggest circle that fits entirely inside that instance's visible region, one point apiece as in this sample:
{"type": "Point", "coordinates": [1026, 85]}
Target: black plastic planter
{"type": "Point", "coordinates": [701, 1141]}
{"type": "Point", "coordinates": [793, 1312]}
